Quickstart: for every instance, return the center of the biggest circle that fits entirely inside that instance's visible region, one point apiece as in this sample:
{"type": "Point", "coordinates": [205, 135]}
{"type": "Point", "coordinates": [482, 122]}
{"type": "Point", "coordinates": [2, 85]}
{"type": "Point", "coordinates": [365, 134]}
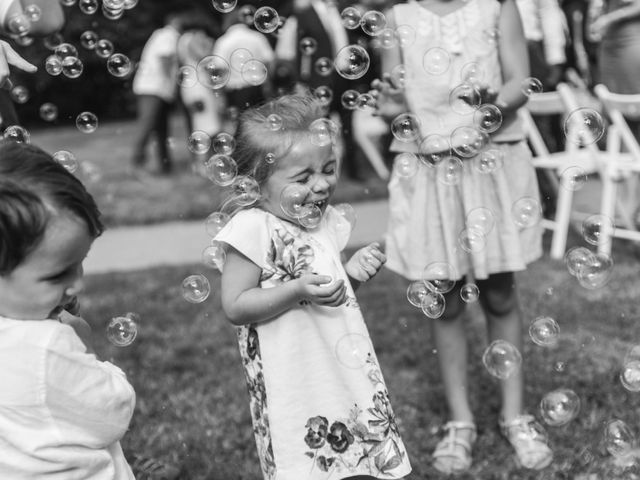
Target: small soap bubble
{"type": "Point", "coordinates": [502, 359]}
{"type": "Point", "coordinates": [349, 99]}
{"type": "Point", "coordinates": [18, 24]}
{"type": "Point", "coordinates": [196, 288]}
{"type": "Point", "coordinates": [187, 76]}
{"type": "Point", "coordinates": [630, 375]}
{"type": "Point", "coordinates": [254, 72]}
{"type": "Point", "coordinates": [487, 118]}
{"type": "Point", "coordinates": [322, 132]}
{"type": "Point", "coordinates": [406, 127]}
{"type": "Point", "coordinates": [310, 216]}
{"type": "Point", "coordinates": [213, 72]}
{"type": "Point", "coordinates": [373, 22]}
{"type": "Point", "coordinates": [450, 171]}
{"type": "Point", "coordinates": [119, 65]}
{"type": "Point", "coordinates": [215, 222]}
{"type": "Point", "coordinates": [89, 39]}
{"type": "Point", "coordinates": [266, 19]}
{"type": "Point", "coordinates": [214, 255]}
{"type": "Point", "coordinates": [406, 35]}
{"type": "Point", "coordinates": [433, 304]}
{"type": "Point", "coordinates": [292, 199]}
{"type": "Point", "coordinates": [224, 6]}
{"type": "Point", "coordinates": [465, 99]}
{"type": "Point", "coordinates": [20, 94]}
{"type": "Point", "coordinates": [123, 330]}
{"type": "Point", "coordinates": [246, 190]}
{"type": "Point", "coordinates": [436, 61]}
{"type": "Point", "coordinates": [471, 73]}
{"type": "Point", "coordinates": [596, 271]}
{"type": "Point", "coordinates": [618, 438]}
{"type": "Point", "coordinates": [274, 122]}
{"type": "Point", "coordinates": [223, 143]}
{"type": "Point", "coordinates": [351, 18]}
{"type": "Point", "coordinates": [308, 45]}
{"type": "Point", "coordinates": [442, 275]}
{"type": "Point", "coordinates": [472, 240]}
{"type": "Point", "coordinates": [17, 134]}
{"type": "Point", "coordinates": [72, 67]}
{"type": "Point", "coordinates": [52, 41]}
{"type": "Point", "coordinates": [366, 102]}
{"type": "Point", "coordinates": [352, 62]}
{"type": "Point", "coordinates": [467, 142]}
{"type": "Point", "coordinates": [33, 12]}
{"type": "Point", "coordinates": [559, 407]}
{"type": "Point", "coordinates": [398, 75]}
{"type": "Point", "coordinates": [576, 258]}
{"type": "Point", "coordinates": [48, 112]}
{"type": "Point", "coordinates": [65, 50]}
{"type": "Point", "coordinates": [87, 122]}
{"type": "Point", "coordinates": [270, 158]}
{"type": "Point", "coordinates": [246, 13]}
{"type": "Point", "coordinates": [597, 229]}
{"type": "Point", "coordinates": [526, 212]}
{"type": "Point", "coordinates": [353, 350]}
{"type": "Point", "coordinates": [88, 7]}
{"type": "Point", "coordinates": [416, 292]}
{"type": "Point", "coordinates": [481, 219]}
{"type": "Point", "coordinates": [573, 178]}
{"type": "Point", "coordinates": [221, 169]}
{"type": "Point", "coordinates": [491, 36]}
{"type": "Point", "coordinates": [199, 142]}
{"type": "Point", "coordinates": [405, 165]}
{"type": "Point", "coordinates": [544, 331]}
{"type": "Point", "coordinates": [489, 161]}
{"type": "Point", "coordinates": [104, 48]}
{"type": "Point", "coordinates": [387, 38]}
{"type": "Point", "coordinates": [323, 66]}
{"type": "Point", "coordinates": [531, 85]}
{"type": "Point", "coordinates": [469, 293]}
{"type": "Point", "coordinates": [348, 217]}
{"type": "Point", "coordinates": [67, 160]}
{"type": "Point", "coordinates": [584, 126]}
{"type": "Point", "coordinates": [324, 94]}
{"type": "Point", "coordinates": [434, 148]}
{"type": "Point", "coordinates": [238, 58]}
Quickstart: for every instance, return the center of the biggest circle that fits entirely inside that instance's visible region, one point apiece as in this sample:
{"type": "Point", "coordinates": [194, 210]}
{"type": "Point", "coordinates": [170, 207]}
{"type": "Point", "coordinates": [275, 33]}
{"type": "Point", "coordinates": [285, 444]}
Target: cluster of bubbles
{"type": "Point", "coordinates": [592, 269]}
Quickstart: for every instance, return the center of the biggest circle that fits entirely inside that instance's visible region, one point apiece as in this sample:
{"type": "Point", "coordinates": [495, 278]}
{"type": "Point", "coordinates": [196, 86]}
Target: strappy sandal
{"type": "Point", "coordinates": [453, 453]}
{"type": "Point", "coordinates": [529, 440]}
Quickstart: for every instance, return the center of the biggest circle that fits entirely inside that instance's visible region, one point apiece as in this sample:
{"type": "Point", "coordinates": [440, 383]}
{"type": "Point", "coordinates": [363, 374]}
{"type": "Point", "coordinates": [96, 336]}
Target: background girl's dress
{"type": "Point", "coordinates": [428, 210]}
{"type": "Point", "coordinates": [319, 404]}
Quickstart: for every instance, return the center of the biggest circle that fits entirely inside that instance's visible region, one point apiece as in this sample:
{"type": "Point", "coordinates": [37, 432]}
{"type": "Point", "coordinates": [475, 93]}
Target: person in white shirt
{"type": "Point", "coordinates": [62, 410]}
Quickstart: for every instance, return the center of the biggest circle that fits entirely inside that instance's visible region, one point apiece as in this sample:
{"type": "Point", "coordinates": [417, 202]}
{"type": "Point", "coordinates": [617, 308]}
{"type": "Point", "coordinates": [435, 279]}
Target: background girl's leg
{"type": "Point", "coordinates": [499, 301]}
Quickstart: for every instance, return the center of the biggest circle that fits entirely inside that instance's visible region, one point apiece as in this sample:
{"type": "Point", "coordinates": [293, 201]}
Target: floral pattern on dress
{"type": "Point", "coordinates": [286, 258]}
{"type": "Point", "coordinates": [368, 440]}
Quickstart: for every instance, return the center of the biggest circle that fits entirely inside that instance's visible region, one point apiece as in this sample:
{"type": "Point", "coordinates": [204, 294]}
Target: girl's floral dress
{"type": "Point", "coordinates": [318, 401]}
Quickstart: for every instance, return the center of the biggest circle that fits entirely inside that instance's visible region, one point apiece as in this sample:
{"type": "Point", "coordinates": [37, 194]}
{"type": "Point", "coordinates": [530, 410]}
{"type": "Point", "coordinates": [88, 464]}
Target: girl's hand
{"type": "Point", "coordinates": [81, 327]}
{"type": "Point", "coordinates": [322, 290]}
{"type": "Point", "coordinates": [8, 56]}
{"type": "Point", "coordinates": [599, 27]}
{"type": "Point", "coordinates": [389, 97]}
{"type": "Point", "coordinates": [365, 263]}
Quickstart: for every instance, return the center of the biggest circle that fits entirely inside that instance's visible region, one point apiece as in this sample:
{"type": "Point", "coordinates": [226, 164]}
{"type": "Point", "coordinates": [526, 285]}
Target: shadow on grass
{"type": "Point", "coordinates": [192, 409]}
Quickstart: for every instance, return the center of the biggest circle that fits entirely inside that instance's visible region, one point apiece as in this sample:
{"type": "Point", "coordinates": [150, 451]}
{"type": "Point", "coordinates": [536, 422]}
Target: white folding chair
{"type": "Point", "coordinates": [620, 177]}
{"type": "Point", "coordinates": [582, 154]}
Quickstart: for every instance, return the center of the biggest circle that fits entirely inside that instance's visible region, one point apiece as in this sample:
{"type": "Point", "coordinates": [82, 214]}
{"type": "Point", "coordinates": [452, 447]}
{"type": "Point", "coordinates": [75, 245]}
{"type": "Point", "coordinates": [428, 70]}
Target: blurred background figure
{"type": "Point", "coordinates": [155, 87]}
{"type": "Point", "coordinates": [14, 23]}
{"type": "Point", "coordinates": [250, 57]}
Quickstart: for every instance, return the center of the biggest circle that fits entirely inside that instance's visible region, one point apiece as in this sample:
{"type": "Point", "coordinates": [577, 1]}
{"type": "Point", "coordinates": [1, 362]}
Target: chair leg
{"type": "Point", "coordinates": [608, 209]}
{"type": "Point", "coordinates": [563, 218]}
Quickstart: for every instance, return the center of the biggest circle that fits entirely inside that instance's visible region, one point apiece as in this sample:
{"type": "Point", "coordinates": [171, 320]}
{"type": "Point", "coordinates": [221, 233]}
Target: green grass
{"type": "Point", "coordinates": [192, 407]}
{"type": "Point", "coordinates": [134, 197]}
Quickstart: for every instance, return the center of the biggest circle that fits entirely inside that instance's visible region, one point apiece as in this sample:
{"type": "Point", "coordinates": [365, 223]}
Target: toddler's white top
{"type": "Point", "coordinates": [158, 68]}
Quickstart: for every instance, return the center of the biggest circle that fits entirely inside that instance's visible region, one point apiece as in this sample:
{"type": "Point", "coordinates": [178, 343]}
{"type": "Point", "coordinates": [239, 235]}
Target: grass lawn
{"type": "Point", "coordinates": [133, 197]}
{"type": "Point", "coordinates": [192, 407]}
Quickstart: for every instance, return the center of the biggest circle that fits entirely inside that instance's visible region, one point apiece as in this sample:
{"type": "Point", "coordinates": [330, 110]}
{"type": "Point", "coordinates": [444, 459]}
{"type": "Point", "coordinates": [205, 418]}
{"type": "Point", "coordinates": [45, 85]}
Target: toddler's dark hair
{"type": "Point", "coordinates": [256, 140]}
{"type": "Point", "coordinates": [34, 188]}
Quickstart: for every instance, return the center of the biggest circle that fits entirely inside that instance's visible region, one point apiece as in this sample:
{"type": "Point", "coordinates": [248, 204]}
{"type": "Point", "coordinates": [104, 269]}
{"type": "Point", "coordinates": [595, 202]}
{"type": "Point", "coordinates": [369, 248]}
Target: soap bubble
{"type": "Point", "coordinates": [213, 72]}
{"type": "Point", "coordinates": [597, 229]}
{"type": "Point", "coordinates": [310, 216]}
{"type": "Point", "coordinates": [292, 199]}
{"type": "Point", "coordinates": [442, 275]}
{"type": "Point", "coordinates": [48, 112]}
{"type": "Point", "coordinates": [481, 219]}
{"type": "Point", "coordinates": [52, 41]}
{"type": "Point", "coordinates": [348, 216]}
{"type": "Point", "coordinates": [471, 73]}
{"type": "Point", "coordinates": [487, 118]}
{"type": "Point", "coordinates": [72, 67]}
{"type": "Point", "coordinates": [405, 165]}
{"type": "Point", "coordinates": [469, 292]}
{"type": "Point", "coordinates": [464, 99]}
{"type": "Point", "coordinates": [576, 258]}
{"type": "Point", "coordinates": [544, 331]}
{"type": "Point", "coordinates": [214, 255]}
{"type": "Point", "coordinates": [123, 330]}
{"type": "Point", "coordinates": [398, 75]}
{"type": "Point", "coordinates": [223, 143]}
{"type": "Point", "coordinates": [416, 292]}
{"type": "Point", "coordinates": [322, 132]}
{"type": "Point", "coordinates": [19, 24]}
{"type": "Point", "coordinates": [596, 271]}
{"type": "Point", "coordinates": [33, 12]}
{"type": "Point", "coordinates": [406, 35]}
{"type": "Point", "coordinates": [224, 6]}
{"type": "Point", "coordinates": [467, 142]}
{"type": "Point", "coordinates": [246, 13]}
{"type": "Point", "coordinates": [352, 62]}
{"type": "Point", "coordinates": [187, 76]}
{"type": "Point", "coordinates": [436, 61]}
{"type": "Point", "coordinates": [254, 72]}
{"type": "Point", "coordinates": [573, 178]}
{"type": "Point", "coordinates": [119, 65]}
{"type": "Point", "coordinates": [308, 46]}
{"type": "Point", "coordinates": [472, 240]}
{"type": "Point", "coordinates": [266, 19]}
{"type": "Point", "coordinates": [216, 222]}
{"type": "Point", "coordinates": [434, 148]}
{"type": "Point", "coordinates": [489, 161]}
{"type": "Point", "coordinates": [618, 438]}
{"type": "Point", "coordinates": [274, 122]}
{"type": "Point", "coordinates": [324, 94]}
{"type": "Point", "coordinates": [491, 36]}
{"type": "Point", "coordinates": [559, 407]}
{"type": "Point", "coordinates": [349, 99]}
{"type": "Point", "coordinates": [196, 288]}
{"type": "Point", "coordinates": [373, 22]}
{"type": "Point", "coordinates": [323, 66]}
{"type": "Point", "coordinates": [450, 171]}
{"type": "Point", "coordinates": [502, 359]}
{"type": "Point", "coordinates": [584, 126]}
{"type": "Point", "coordinates": [66, 159]}
{"type": "Point", "coordinates": [406, 127]}
{"type": "Point", "coordinates": [20, 94]}
{"type": "Point", "coordinates": [65, 50]}
{"type": "Point", "coordinates": [246, 190]}
{"type": "Point", "coordinates": [17, 134]}
{"type": "Point", "coordinates": [366, 102]}
{"type": "Point", "coordinates": [526, 212]}
{"type": "Point", "coordinates": [104, 48]}
{"type": "Point", "coordinates": [351, 18]}
{"type": "Point", "coordinates": [531, 85]}
{"type": "Point", "coordinates": [53, 65]}
{"type": "Point", "coordinates": [630, 375]}
{"type": "Point", "coordinates": [221, 169]}
{"type": "Point", "coordinates": [433, 304]}
{"type": "Point", "coordinates": [89, 39]}
{"type": "Point", "coordinates": [88, 7]}
{"type": "Point", "coordinates": [199, 142]}
{"type": "Point", "coordinates": [353, 350]}
{"type": "Point", "coordinates": [87, 122]}
{"type": "Point", "coordinates": [387, 38]}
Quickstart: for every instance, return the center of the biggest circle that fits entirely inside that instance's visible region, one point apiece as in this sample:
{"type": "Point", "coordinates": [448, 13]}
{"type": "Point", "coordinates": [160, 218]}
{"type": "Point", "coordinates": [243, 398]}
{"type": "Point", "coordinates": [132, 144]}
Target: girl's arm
{"type": "Point", "coordinates": [605, 22]}
{"type": "Point", "coordinates": [514, 58]}
{"type": "Point", "coordinates": [245, 302]}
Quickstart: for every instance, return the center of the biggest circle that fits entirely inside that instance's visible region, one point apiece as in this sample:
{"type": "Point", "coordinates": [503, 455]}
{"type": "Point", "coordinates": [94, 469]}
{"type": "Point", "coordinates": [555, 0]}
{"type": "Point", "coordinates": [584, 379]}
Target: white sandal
{"type": "Point", "coordinates": [453, 453]}
{"type": "Point", "coordinates": [529, 440]}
